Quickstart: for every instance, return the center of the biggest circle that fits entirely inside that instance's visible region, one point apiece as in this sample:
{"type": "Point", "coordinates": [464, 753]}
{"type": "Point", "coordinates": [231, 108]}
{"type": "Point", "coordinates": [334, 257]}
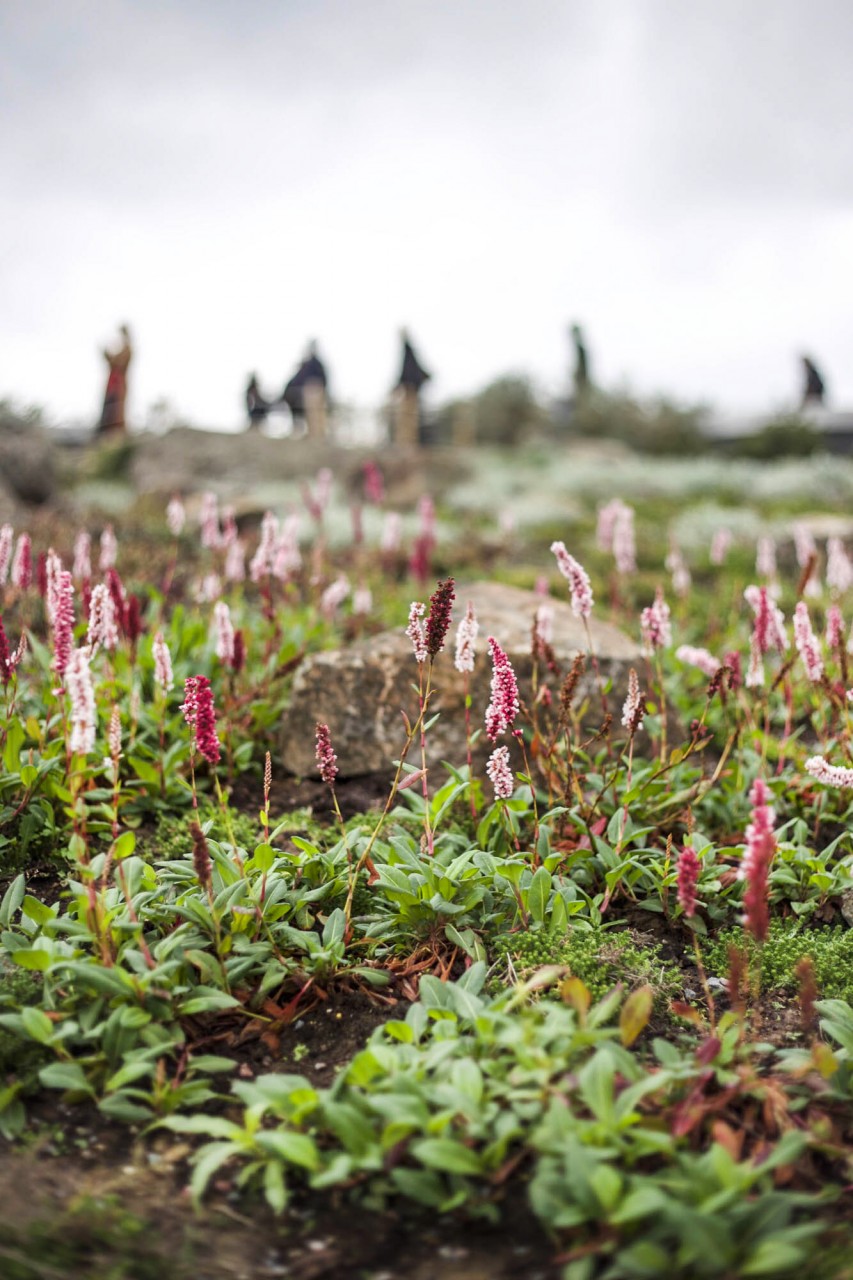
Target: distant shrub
{"type": "Point", "coordinates": [788, 436]}
{"type": "Point", "coordinates": [658, 426]}
{"type": "Point", "coordinates": [19, 417]}
{"type": "Point", "coordinates": [506, 412]}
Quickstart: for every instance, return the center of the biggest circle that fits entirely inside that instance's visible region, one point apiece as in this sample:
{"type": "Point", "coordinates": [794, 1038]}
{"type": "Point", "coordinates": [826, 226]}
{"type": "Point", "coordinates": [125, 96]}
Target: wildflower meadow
{"type": "Point", "coordinates": [590, 1001]}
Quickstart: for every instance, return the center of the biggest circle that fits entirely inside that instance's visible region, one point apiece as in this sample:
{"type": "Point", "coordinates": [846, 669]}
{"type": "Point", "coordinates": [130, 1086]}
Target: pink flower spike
{"type": "Point", "coordinates": [632, 710]}
{"type": "Point", "coordinates": [769, 624]}
{"type": "Point", "coordinates": [720, 544]}
{"type": "Point", "coordinates": [392, 533]}
{"type": "Point", "coordinates": [103, 627]}
{"type": "Point", "coordinates": [577, 578]}
{"type": "Point", "coordinates": [176, 516]}
{"type": "Point", "coordinates": [438, 622]}
{"type": "Point", "coordinates": [224, 632]}
{"type": "Point", "coordinates": [832, 775]}
{"type": "Point", "coordinates": [504, 704]}
{"type": "Point", "coordinates": [63, 622]}
{"type": "Point", "coordinates": [701, 658]}
{"type": "Point", "coordinates": [327, 761]}
{"type": "Point", "coordinates": [235, 563]}
{"type": "Point", "coordinates": [22, 564]}
{"type": "Point", "coordinates": [806, 642]}
{"type": "Point", "coordinates": [677, 565]}
{"type": "Point", "coordinates": [82, 567]}
{"type": "Point", "coordinates": [78, 683]}
{"type": "Point", "coordinates": [162, 663]}
{"type": "Point", "coordinates": [5, 659]}
{"type": "Point", "coordinates": [765, 558]}
{"type": "Point", "coordinates": [109, 549]}
{"type": "Point", "coordinates": [688, 878]}
{"type": "Point", "coordinates": [7, 537]}
{"type": "Point", "coordinates": [466, 638]}
{"type": "Point", "coordinates": [416, 631]}
{"type": "Point", "coordinates": [624, 544]}
{"type": "Point", "coordinates": [500, 773]}
{"type": "Point", "coordinates": [211, 537]}
{"type": "Point", "coordinates": [334, 596]}
{"type": "Point", "coordinates": [262, 560]}
{"type": "Point", "coordinates": [655, 625]}
{"type": "Point", "coordinates": [834, 629]}
{"type": "Point", "coordinates": [839, 570]}
{"type": "Point", "coordinates": [200, 715]}
{"type": "Point", "coordinates": [755, 867]}
{"type": "Point", "coordinates": [52, 570]}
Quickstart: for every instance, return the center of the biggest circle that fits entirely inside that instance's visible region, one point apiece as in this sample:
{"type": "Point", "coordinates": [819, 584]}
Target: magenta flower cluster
{"type": "Point", "coordinates": [655, 625]}
{"type": "Point", "coordinates": [200, 715]}
{"type": "Point", "coordinates": [577, 578]}
{"type": "Point", "coordinates": [438, 621]}
{"type": "Point", "coordinates": [757, 858]}
{"type": "Point", "coordinates": [327, 761]}
{"type": "Point", "coordinates": [503, 706]}
{"type": "Point", "coordinates": [687, 878]}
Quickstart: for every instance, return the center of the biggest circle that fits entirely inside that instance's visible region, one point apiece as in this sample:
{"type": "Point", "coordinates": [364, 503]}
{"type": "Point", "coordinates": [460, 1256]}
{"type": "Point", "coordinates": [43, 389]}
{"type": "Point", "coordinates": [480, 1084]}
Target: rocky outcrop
{"type": "Point", "coordinates": [361, 691]}
{"type": "Point", "coordinates": [26, 461]}
{"type": "Point", "coordinates": [189, 461]}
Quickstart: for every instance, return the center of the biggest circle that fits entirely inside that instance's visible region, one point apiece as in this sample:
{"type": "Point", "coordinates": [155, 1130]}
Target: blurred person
{"type": "Point", "coordinates": [115, 396]}
{"type": "Point", "coordinates": [814, 387]}
{"type": "Point", "coordinates": [257, 406]}
{"type": "Point", "coordinates": [581, 379]}
{"type": "Point", "coordinates": [306, 394]}
{"type": "Point", "coordinates": [407, 408]}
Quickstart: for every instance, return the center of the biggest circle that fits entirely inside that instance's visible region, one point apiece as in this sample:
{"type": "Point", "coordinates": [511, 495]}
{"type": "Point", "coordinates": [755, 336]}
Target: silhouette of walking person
{"type": "Point", "coordinates": [814, 387]}
{"type": "Point", "coordinates": [407, 408]}
{"type": "Point", "coordinates": [306, 394]}
{"type": "Point", "coordinates": [257, 406]}
{"type": "Point", "coordinates": [581, 378]}
{"type": "Point", "coordinates": [115, 396]}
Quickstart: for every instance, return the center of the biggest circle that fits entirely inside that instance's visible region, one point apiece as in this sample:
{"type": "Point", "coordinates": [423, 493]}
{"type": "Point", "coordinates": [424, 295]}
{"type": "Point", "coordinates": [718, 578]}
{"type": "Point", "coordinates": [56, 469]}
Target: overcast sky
{"type": "Point", "coordinates": [234, 177]}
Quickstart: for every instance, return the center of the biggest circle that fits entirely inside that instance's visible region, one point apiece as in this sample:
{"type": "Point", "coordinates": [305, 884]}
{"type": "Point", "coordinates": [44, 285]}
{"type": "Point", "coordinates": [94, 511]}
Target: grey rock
{"type": "Point", "coordinates": [26, 462]}
{"type": "Point", "coordinates": [362, 692]}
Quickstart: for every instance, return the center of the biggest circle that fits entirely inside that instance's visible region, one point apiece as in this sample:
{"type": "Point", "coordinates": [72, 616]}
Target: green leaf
{"type": "Point", "coordinates": [538, 894]}
{"type": "Point", "coordinates": [275, 1190]}
{"type": "Point", "coordinates": [293, 1148]}
{"type": "Point", "coordinates": [635, 1014]}
{"type": "Point", "coordinates": [33, 958]}
{"type": "Point", "coordinates": [65, 1075]}
{"type": "Point", "coordinates": [208, 1160]}
{"type": "Point", "coordinates": [334, 928]}
{"type": "Point", "coordinates": [773, 1258]}
{"type": "Point", "coordinates": [118, 1106]}
{"type": "Point", "coordinates": [264, 857]}
{"type": "Point", "coordinates": [37, 1025]}
{"type": "Point", "coordinates": [206, 1002]}
{"type": "Point", "coordinates": [596, 1081]}
{"type": "Point", "coordinates": [12, 899]}
{"type": "Point", "coordinates": [124, 845]}
{"type": "Point", "coordinates": [15, 737]}
{"type": "Point", "coordinates": [447, 1156]}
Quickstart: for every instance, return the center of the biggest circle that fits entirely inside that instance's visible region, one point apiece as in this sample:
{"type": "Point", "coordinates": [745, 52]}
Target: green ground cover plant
{"type": "Point", "coordinates": [582, 950]}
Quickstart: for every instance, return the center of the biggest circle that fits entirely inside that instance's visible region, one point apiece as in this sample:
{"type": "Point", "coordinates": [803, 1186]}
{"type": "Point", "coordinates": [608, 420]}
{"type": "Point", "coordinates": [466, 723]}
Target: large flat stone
{"type": "Point", "coordinates": [361, 691]}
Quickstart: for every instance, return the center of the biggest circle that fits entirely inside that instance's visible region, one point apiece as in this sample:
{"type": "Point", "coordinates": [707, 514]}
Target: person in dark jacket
{"type": "Point", "coordinates": [257, 406]}
{"type": "Point", "coordinates": [581, 373]}
{"type": "Point", "coordinates": [814, 388]}
{"type": "Point", "coordinates": [306, 394]}
{"type": "Point", "coordinates": [407, 409]}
